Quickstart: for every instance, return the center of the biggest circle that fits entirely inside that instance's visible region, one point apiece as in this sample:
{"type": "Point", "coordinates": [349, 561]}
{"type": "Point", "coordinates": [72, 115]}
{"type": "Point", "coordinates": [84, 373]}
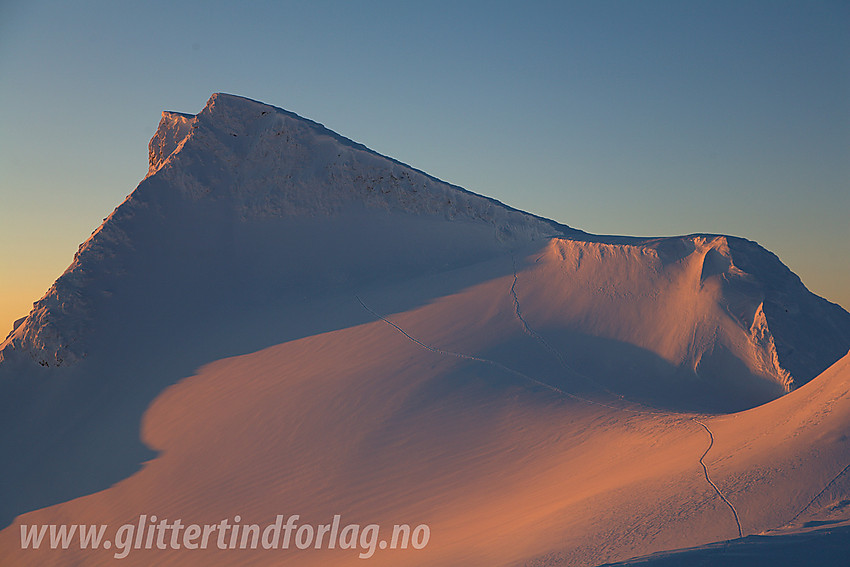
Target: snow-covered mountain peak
{"type": "Point", "coordinates": [245, 202]}
{"type": "Point", "coordinates": [237, 168]}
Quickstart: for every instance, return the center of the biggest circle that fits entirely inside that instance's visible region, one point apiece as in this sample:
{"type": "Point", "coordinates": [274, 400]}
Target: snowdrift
{"type": "Point", "coordinates": [279, 320]}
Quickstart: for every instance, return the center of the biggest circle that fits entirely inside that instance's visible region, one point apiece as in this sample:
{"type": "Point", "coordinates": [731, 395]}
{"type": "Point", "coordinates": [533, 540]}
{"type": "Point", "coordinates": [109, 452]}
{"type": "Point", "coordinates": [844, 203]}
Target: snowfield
{"type": "Point", "coordinates": [281, 321]}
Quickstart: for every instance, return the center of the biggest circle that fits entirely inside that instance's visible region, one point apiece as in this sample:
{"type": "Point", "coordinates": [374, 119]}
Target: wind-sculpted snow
{"type": "Point", "coordinates": [279, 320]}
{"type": "Point", "coordinates": [240, 164]}
{"type": "Point", "coordinates": [557, 354]}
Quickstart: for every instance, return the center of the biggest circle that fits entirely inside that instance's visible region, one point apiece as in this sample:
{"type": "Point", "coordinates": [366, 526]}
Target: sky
{"type": "Point", "coordinates": [641, 118]}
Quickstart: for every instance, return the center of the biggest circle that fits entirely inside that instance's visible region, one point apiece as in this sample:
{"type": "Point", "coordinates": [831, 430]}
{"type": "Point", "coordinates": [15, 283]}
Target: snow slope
{"type": "Point", "coordinates": [810, 426]}
{"type": "Point", "coordinates": [233, 173]}
{"type": "Point", "coordinates": [278, 320]}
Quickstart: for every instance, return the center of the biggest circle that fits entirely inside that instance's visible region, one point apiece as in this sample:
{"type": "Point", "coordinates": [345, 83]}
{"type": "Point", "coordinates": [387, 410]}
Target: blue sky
{"type": "Point", "coordinates": [644, 118]}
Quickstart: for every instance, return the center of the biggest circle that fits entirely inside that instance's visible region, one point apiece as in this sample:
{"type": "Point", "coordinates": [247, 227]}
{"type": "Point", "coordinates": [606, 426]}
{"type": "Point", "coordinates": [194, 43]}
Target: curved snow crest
{"type": "Point", "coordinates": [793, 334]}
{"type": "Point", "coordinates": [800, 331]}
{"type": "Point", "coordinates": [708, 303]}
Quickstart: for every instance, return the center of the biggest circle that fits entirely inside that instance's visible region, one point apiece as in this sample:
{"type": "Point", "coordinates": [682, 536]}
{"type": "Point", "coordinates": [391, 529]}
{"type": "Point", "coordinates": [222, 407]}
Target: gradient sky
{"type": "Point", "coordinates": [641, 118]}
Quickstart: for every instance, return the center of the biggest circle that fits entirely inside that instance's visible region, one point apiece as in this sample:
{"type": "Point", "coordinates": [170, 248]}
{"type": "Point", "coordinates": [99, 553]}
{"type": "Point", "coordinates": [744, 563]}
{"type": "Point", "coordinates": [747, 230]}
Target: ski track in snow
{"type": "Point", "coordinates": [493, 363]}
{"type": "Point", "coordinates": [557, 354]}
{"type": "Point", "coordinates": [708, 478]}
{"type": "Point", "coordinates": [534, 334]}
{"type": "Point", "coordinates": [498, 365]}
{"type": "Point", "coordinates": [819, 494]}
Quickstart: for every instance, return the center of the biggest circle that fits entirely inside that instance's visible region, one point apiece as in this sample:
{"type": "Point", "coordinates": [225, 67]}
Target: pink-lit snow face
{"type": "Point", "coordinates": [388, 426]}
{"type": "Point", "coordinates": [294, 325]}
